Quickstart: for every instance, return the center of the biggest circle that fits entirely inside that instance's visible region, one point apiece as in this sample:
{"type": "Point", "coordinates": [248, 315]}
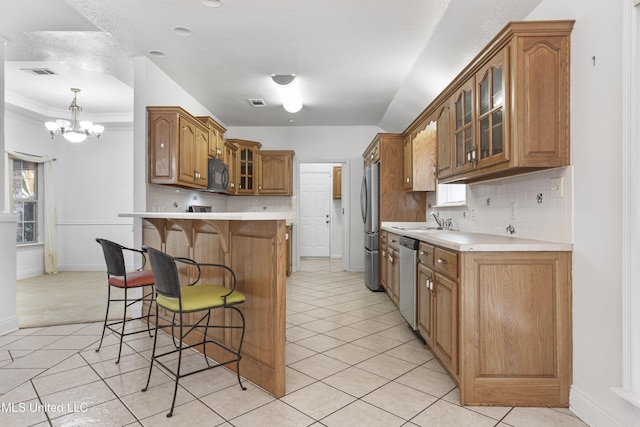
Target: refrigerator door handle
{"type": "Point", "coordinates": [363, 199]}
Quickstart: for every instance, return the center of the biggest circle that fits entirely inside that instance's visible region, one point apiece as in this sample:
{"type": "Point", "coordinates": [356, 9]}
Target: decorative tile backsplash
{"type": "Point", "coordinates": [537, 205]}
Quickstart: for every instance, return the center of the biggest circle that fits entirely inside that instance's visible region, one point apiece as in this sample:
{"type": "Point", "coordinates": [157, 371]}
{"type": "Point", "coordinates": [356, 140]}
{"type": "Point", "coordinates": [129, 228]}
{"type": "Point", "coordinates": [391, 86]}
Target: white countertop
{"type": "Point", "coordinates": [241, 216]}
{"type": "Point", "coordinates": [464, 241]}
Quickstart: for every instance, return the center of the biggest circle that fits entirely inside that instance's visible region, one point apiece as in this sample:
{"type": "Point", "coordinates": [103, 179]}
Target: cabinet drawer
{"type": "Point", "coordinates": [446, 262]}
{"type": "Point", "coordinates": [393, 240]}
{"type": "Point", "coordinates": [425, 254]}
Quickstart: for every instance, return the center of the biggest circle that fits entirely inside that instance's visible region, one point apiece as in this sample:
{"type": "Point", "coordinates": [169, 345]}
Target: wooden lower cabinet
{"type": "Point", "coordinates": [425, 303]}
{"type": "Point", "coordinates": [438, 303]}
{"type": "Point", "coordinates": [445, 323]}
{"type": "Point", "coordinates": [503, 329]}
{"type": "Point", "coordinates": [515, 329]}
{"type": "Point", "coordinates": [392, 268]}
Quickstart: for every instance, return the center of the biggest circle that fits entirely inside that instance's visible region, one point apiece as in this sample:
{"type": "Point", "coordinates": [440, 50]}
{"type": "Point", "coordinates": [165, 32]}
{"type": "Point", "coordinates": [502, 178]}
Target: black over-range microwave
{"type": "Point", "coordinates": [218, 176]}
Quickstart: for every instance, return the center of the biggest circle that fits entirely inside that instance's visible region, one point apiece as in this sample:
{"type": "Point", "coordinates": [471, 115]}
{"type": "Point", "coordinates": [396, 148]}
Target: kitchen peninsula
{"type": "Point", "coordinates": [253, 244]}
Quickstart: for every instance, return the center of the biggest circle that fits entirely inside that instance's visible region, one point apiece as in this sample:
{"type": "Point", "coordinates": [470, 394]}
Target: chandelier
{"type": "Point", "coordinates": [74, 130]}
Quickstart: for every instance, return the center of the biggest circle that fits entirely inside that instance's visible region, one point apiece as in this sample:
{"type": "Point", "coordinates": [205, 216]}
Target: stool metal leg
{"type": "Point", "coordinates": [175, 390]}
{"type": "Point", "coordinates": [124, 323]}
{"type": "Point", "coordinates": [240, 348]}
{"type": "Point", "coordinates": [153, 352]}
{"type": "Point", "coordinates": [106, 317]}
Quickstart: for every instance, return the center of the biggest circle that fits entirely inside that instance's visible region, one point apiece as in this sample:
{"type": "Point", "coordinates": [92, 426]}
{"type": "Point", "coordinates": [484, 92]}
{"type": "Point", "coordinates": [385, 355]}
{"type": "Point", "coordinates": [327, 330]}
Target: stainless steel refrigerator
{"type": "Point", "coordinates": [370, 206]}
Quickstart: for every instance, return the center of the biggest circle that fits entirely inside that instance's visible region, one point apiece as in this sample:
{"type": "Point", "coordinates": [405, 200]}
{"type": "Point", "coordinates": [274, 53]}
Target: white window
{"type": "Point", "coordinates": [24, 200]}
{"type": "Point", "coordinates": [451, 195]}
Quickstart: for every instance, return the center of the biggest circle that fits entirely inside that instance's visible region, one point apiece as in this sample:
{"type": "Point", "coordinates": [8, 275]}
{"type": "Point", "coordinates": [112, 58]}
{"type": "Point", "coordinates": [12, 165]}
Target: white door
{"type": "Point", "coordinates": [315, 212]}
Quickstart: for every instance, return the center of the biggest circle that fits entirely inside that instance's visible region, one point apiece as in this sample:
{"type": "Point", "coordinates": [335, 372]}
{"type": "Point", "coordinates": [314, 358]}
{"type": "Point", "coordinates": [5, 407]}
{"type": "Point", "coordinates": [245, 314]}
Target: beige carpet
{"type": "Point", "coordinates": [64, 298]}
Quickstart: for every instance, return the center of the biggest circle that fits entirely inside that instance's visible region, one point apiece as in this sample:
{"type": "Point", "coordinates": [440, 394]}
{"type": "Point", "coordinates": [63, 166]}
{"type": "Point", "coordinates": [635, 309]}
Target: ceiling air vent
{"type": "Point", "coordinates": [256, 102]}
{"type": "Point", "coordinates": [39, 71]}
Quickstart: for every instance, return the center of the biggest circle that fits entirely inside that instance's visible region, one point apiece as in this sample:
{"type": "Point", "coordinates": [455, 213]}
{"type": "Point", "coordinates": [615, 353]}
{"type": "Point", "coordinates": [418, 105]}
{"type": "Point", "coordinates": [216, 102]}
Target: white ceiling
{"type": "Point", "coordinates": [358, 62]}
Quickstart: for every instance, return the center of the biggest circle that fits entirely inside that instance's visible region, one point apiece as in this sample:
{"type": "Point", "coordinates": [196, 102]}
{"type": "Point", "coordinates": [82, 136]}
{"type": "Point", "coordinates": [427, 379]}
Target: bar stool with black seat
{"type": "Point", "coordinates": [118, 277]}
{"type": "Point", "coordinates": [193, 298]}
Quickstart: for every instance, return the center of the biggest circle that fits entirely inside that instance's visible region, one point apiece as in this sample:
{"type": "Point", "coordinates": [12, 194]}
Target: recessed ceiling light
{"type": "Point", "coordinates": [155, 53]}
{"type": "Point", "coordinates": [212, 3]}
{"type": "Point", "coordinates": [182, 31]}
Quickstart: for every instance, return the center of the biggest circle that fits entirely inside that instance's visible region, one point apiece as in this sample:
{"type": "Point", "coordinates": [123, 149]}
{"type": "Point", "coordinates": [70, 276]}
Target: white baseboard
{"type": "Point", "coordinates": [9, 324]}
{"type": "Point", "coordinates": [590, 412]}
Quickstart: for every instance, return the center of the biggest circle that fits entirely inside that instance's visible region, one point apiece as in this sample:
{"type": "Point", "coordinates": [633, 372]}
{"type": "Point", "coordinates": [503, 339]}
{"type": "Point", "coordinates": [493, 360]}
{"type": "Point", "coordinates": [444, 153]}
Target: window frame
{"type": "Point", "coordinates": [449, 199]}
{"type": "Point", "coordinates": [35, 201]}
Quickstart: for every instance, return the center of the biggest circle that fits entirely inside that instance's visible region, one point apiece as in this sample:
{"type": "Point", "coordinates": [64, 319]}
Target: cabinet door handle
{"type": "Point", "coordinates": [390, 259]}
{"type": "Point", "coordinates": [442, 261]}
{"type": "Point", "coordinates": [408, 179]}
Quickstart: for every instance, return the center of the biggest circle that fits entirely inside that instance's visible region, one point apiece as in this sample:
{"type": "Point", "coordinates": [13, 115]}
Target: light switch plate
{"type": "Point", "coordinates": [557, 187]}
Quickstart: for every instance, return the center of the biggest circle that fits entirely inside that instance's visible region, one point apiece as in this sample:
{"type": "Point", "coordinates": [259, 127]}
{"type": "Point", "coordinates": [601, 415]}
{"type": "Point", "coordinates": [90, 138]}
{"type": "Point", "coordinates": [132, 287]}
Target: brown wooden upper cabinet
{"type": "Point", "coordinates": [507, 112]}
{"type": "Point", "coordinates": [337, 182]}
{"type": "Point", "coordinates": [419, 158]}
{"type": "Point", "coordinates": [444, 153]}
{"type": "Point", "coordinates": [231, 160]}
{"type": "Point", "coordinates": [247, 166]}
{"type": "Point", "coordinates": [178, 148]}
{"type": "Point", "coordinates": [275, 172]}
{"type": "Point", "coordinates": [261, 172]}
{"type": "Point", "coordinates": [216, 137]}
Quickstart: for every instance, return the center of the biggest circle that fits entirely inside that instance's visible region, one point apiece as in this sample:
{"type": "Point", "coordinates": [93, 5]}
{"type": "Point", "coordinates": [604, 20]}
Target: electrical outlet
{"type": "Point", "coordinates": [513, 210]}
{"type": "Point", "coordinates": [557, 187]}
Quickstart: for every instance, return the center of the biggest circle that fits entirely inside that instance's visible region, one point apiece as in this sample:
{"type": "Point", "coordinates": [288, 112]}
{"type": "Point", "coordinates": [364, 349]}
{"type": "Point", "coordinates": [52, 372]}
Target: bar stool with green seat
{"type": "Point", "coordinates": [118, 277]}
{"type": "Point", "coordinates": [190, 299]}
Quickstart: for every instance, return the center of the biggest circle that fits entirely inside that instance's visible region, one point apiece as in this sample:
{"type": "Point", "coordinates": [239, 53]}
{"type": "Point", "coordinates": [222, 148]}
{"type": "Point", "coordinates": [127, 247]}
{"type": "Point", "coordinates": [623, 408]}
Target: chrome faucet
{"type": "Point", "coordinates": [440, 221]}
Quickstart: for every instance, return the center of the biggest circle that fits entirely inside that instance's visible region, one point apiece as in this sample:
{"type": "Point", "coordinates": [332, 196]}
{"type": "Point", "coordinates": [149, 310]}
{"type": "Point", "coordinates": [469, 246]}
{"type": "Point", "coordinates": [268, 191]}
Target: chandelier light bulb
{"type": "Point", "coordinates": [74, 130]}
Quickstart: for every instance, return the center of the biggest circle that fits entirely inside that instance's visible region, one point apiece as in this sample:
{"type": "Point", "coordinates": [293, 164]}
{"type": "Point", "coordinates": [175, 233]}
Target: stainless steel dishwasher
{"type": "Point", "coordinates": [408, 288]}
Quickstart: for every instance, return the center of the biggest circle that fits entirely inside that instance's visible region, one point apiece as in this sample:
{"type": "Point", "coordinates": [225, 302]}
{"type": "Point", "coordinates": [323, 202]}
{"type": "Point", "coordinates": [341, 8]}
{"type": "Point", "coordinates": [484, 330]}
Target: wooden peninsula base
{"type": "Point", "coordinates": [256, 250]}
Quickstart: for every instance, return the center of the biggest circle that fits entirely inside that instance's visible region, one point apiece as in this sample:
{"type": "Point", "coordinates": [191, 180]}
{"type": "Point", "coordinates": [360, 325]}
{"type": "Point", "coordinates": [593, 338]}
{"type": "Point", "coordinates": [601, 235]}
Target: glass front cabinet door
{"type": "Point", "coordinates": [464, 151]}
{"type": "Point", "coordinates": [491, 111]}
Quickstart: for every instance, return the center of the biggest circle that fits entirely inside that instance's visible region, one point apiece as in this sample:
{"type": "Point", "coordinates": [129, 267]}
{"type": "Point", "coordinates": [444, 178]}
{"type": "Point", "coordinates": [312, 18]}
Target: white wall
{"type": "Point", "coordinates": [596, 140]}
{"type": "Point", "coordinates": [8, 317]}
{"type": "Point", "coordinates": [92, 184]}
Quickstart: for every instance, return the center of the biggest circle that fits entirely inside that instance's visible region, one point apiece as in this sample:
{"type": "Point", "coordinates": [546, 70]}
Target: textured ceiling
{"type": "Point", "coordinates": [373, 62]}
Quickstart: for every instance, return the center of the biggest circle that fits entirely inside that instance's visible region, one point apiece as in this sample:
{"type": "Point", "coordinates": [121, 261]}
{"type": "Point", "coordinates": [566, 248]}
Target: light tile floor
{"type": "Point", "coordinates": [351, 361]}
